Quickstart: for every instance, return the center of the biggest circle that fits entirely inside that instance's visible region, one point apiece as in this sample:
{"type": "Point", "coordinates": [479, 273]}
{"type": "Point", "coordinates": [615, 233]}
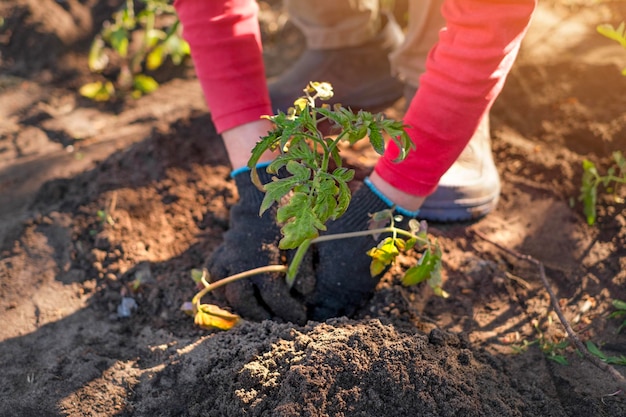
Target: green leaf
{"type": "Point", "coordinates": [613, 360]}
{"type": "Point", "coordinates": [299, 171]}
{"type": "Point", "coordinates": [301, 224]}
{"type": "Point", "coordinates": [383, 216]}
{"type": "Point", "coordinates": [144, 83]}
{"type": "Point", "coordinates": [357, 133]}
{"type": "Point", "coordinates": [335, 156]}
{"type": "Point", "coordinates": [428, 265]}
{"type": "Point", "coordinates": [152, 37]}
{"type": "Point", "coordinates": [261, 147]}
{"type": "Point", "coordinates": [410, 244]}
{"type": "Point", "coordinates": [300, 151]}
{"type": "Point", "coordinates": [560, 359]}
{"type": "Point", "coordinates": [415, 275]}
{"type": "Point", "coordinates": [286, 130]}
{"type": "Point", "coordinates": [562, 344]}
{"type": "Point", "coordinates": [617, 314]}
{"type": "Point", "coordinates": [178, 49]}
{"type": "Point", "coordinates": [324, 203]}
{"type": "Point", "coordinates": [343, 174]}
{"type": "Point", "coordinates": [119, 41]}
{"type": "Point", "coordinates": [197, 275]}
{"type": "Point", "coordinates": [393, 128]}
{"type": "Point", "coordinates": [405, 145]}
{"type": "Point", "coordinates": [620, 160]}
{"type": "Point", "coordinates": [276, 190]}
{"type": "Point", "coordinates": [589, 191]}
{"type": "Point", "coordinates": [619, 304]}
{"type": "Point", "coordinates": [343, 195]}
{"type": "Point", "coordinates": [340, 118]}
{"type": "Point", "coordinates": [376, 139]}
{"type": "Point", "coordinates": [98, 60]}
{"type": "Point", "coordinates": [127, 18]}
{"type": "Point", "coordinates": [593, 349]}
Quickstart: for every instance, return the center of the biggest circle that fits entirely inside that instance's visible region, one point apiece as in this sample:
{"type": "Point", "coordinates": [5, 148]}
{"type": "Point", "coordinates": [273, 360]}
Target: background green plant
{"type": "Point", "coordinates": [612, 360]}
{"type": "Point", "coordinates": [592, 180]}
{"type": "Point", "coordinates": [132, 43]}
{"type": "Point", "coordinates": [617, 34]}
{"type": "Point", "coordinates": [616, 174]}
{"type": "Point", "coordinates": [620, 311]}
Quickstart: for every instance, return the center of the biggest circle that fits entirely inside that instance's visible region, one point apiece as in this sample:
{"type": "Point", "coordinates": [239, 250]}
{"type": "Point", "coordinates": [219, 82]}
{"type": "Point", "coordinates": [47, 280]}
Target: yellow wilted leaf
{"type": "Point", "coordinates": [210, 316]}
{"type": "Point", "coordinates": [376, 267]}
{"type": "Point", "coordinates": [98, 91]}
{"type": "Point", "coordinates": [155, 58]}
{"type": "Point", "coordinates": [144, 84]}
{"type": "Point", "coordinates": [300, 104]}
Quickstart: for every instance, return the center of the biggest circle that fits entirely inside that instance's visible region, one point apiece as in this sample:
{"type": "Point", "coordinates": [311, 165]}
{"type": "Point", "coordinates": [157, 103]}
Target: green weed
{"type": "Point", "coordinates": [615, 176]}
{"type": "Point", "coordinates": [620, 307]}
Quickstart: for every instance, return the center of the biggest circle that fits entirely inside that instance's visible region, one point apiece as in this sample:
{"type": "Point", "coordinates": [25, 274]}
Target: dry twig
{"type": "Point", "coordinates": [619, 378]}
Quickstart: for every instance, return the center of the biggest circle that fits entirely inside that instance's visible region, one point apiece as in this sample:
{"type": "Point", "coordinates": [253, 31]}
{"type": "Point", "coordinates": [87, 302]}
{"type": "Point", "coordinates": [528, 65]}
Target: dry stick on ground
{"type": "Point", "coordinates": [619, 378]}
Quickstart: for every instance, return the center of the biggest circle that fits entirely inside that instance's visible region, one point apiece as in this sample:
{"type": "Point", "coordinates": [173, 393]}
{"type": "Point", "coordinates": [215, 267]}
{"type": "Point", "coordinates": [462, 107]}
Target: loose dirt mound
{"type": "Point", "coordinates": [97, 198]}
{"type": "Point", "coordinates": [352, 368]}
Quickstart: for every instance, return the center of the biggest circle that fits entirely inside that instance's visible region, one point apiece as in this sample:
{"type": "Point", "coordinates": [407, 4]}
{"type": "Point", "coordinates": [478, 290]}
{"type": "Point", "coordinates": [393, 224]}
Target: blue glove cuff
{"type": "Point", "coordinates": [397, 208]}
{"type": "Point", "coordinates": [238, 171]}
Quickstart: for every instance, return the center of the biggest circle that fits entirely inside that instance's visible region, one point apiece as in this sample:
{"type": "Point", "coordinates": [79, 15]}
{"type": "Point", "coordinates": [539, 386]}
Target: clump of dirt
{"type": "Point", "coordinates": [341, 367]}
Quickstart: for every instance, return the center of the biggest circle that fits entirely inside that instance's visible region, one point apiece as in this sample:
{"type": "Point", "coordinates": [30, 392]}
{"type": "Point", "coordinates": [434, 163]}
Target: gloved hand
{"type": "Point", "coordinates": [343, 280]}
{"type": "Point", "coordinates": [252, 242]}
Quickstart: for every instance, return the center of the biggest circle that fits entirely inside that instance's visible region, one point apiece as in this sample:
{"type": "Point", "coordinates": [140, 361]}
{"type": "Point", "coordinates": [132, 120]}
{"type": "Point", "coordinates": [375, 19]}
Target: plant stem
{"type": "Point", "coordinates": [304, 246]}
{"type": "Point", "coordinates": [292, 269]}
{"type": "Point", "coordinates": [613, 178]}
{"type": "Point", "coordinates": [336, 141]}
{"type": "Point", "coordinates": [237, 277]}
{"type": "Point", "coordinates": [296, 261]}
{"type": "Point", "coordinates": [331, 148]}
{"type": "Point", "coordinates": [347, 235]}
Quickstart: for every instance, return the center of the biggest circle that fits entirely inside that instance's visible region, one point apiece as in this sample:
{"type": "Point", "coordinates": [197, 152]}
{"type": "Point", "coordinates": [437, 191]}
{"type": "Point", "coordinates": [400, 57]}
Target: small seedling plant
{"type": "Point", "coordinates": [618, 34]}
{"type": "Point", "coordinates": [129, 45]}
{"type": "Point", "coordinates": [612, 360]}
{"type": "Point", "coordinates": [616, 174]}
{"type": "Point", "coordinates": [552, 347]}
{"type": "Point", "coordinates": [592, 180]}
{"type": "Point", "coordinates": [315, 190]}
{"type": "Point", "coordinates": [620, 311]}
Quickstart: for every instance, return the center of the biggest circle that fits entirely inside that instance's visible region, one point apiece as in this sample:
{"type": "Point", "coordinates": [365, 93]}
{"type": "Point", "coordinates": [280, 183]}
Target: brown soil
{"type": "Point", "coordinates": [157, 165]}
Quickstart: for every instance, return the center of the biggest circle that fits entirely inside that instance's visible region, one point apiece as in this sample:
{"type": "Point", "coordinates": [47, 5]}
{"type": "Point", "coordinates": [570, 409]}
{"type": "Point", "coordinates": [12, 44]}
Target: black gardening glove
{"type": "Point", "coordinates": [343, 280]}
{"type": "Point", "coordinates": [252, 242]}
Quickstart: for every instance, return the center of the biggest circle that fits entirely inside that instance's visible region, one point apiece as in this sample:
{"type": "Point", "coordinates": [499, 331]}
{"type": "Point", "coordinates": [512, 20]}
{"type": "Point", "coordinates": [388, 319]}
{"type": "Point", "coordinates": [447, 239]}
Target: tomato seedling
{"type": "Point", "coordinates": [315, 191]}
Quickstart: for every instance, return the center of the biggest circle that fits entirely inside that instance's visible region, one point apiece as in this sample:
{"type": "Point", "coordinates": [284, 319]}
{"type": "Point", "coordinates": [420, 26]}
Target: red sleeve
{"type": "Point", "coordinates": [464, 74]}
{"type": "Point", "coordinates": [225, 42]}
